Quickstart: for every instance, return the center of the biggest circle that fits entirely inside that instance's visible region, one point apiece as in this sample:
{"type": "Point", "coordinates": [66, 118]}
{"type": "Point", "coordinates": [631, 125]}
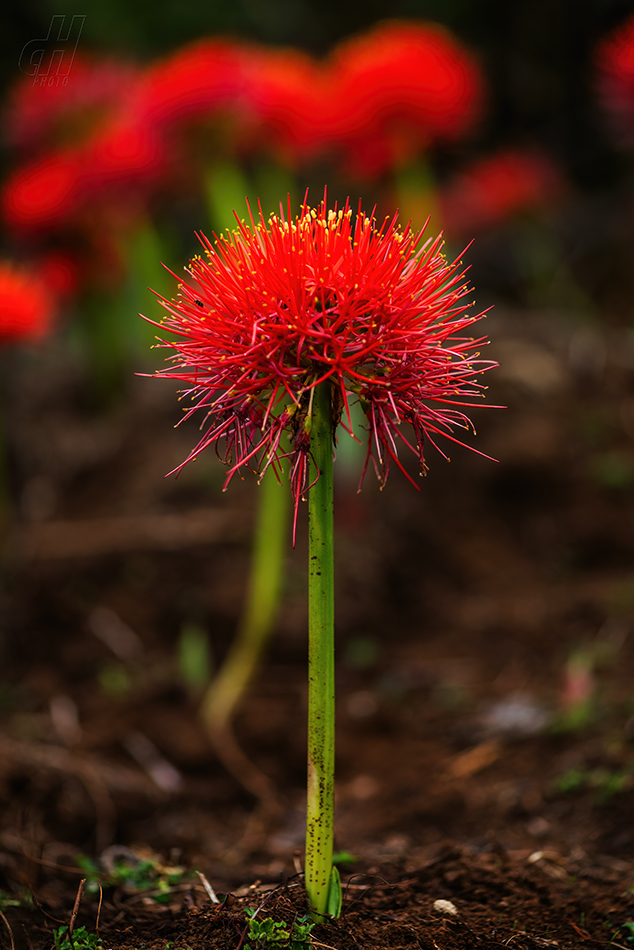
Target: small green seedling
{"type": "Point", "coordinates": [628, 928]}
{"type": "Point", "coordinates": [147, 875]}
{"type": "Point", "coordinates": [604, 782]}
{"type": "Point", "coordinates": [81, 939]}
{"type": "Point", "coordinates": [300, 934]}
{"type": "Point", "coordinates": [269, 934]}
{"type": "Point", "coordinates": [22, 899]}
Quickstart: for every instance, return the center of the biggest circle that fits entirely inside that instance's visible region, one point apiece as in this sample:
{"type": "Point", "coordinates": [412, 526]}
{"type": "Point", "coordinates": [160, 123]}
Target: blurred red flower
{"type": "Point", "coordinates": [44, 194]}
{"type": "Point", "coordinates": [26, 305]}
{"type": "Point", "coordinates": [397, 89]}
{"type": "Point", "coordinates": [497, 187]}
{"type": "Point", "coordinates": [67, 111]}
{"type": "Point", "coordinates": [615, 77]}
{"type": "Point", "coordinates": [282, 305]}
{"type": "Point", "coordinates": [124, 155]}
{"type": "Point", "coordinates": [284, 104]}
{"type": "Point", "coordinates": [60, 272]}
{"type": "Point", "coordinates": [201, 80]}
{"type": "Point", "coordinates": [112, 173]}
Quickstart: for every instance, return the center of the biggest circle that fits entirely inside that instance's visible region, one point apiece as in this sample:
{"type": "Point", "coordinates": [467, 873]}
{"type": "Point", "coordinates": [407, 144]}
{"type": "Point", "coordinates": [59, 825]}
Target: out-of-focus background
{"type": "Point", "coordinates": [484, 625]}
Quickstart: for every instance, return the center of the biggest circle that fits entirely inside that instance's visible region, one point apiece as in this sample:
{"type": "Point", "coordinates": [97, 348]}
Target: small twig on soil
{"type": "Point", "coordinates": [210, 891]}
{"type": "Point", "coordinates": [262, 888]}
{"type": "Point", "coordinates": [26, 936]}
{"type": "Point", "coordinates": [51, 864]}
{"type": "Point", "coordinates": [256, 912]}
{"type": "Point", "coordinates": [381, 882]}
{"type": "Point", "coordinates": [55, 920]}
{"type": "Point", "coordinates": [264, 901]}
{"type": "Point", "coordinates": [8, 925]}
{"type": "Point", "coordinates": [99, 908]}
{"type": "Point", "coordinates": [73, 916]}
{"type": "Point", "coordinates": [578, 929]}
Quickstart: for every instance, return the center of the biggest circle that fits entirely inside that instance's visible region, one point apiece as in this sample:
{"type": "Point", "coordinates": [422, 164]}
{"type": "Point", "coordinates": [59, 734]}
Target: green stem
{"type": "Point", "coordinates": [263, 596]}
{"type": "Point", "coordinates": [103, 333]}
{"type": "Point", "coordinates": [321, 661]}
{"type": "Point", "coordinates": [226, 189]}
{"type": "Point", "coordinates": [417, 194]}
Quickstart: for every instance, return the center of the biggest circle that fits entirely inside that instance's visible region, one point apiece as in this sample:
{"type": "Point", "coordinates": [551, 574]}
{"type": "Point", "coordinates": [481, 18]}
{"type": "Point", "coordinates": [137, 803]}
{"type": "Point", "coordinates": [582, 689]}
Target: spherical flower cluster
{"type": "Point", "coordinates": [115, 141]}
{"type": "Point", "coordinates": [615, 80]}
{"type": "Point", "coordinates": [397, 89]}
{"type": "Point", "coordinates": [61, 273]}
{"type": "Point", "coordinates": [120, 163]}
{"type": "Point", "coordinates": [284, 108]}
{"type": "Point", "coordinates": [26, 305]}
{"type": "Point", "coordinates": [278, 307]}
{"type": "Point", "coordinates": [44, 194]}
{"type": "Point", "coordinates": [497, 187]}
{"type": "Point", "coordinates": [199, 81]}
{"type": "Point", "coordinates": [124, 155]}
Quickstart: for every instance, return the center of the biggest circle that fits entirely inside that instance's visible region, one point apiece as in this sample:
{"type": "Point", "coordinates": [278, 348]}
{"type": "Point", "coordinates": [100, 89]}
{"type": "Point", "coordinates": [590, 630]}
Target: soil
{"type": "Point", "coordinates": [485, 755]}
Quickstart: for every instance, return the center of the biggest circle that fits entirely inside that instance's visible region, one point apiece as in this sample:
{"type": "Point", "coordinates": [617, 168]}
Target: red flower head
{"type": "Point", "coordinates": [125, 156]}
{"type": "Point", "coordinates": [498, 187]}
{"type": "Point", "coordinates": [44, 194]}
{"type": "Point", "coordinates": [196, 83]}
{"type": "Point", "coordinates": [26, 305]}
{"type": "Point", "coordinates": [280, 306]}
{"type": "Point", "coordinates": [398, 88]}
{"type": "Point", "coordinates": [43, 115]}
{"type": "Point", "coordinates": [285, 98]}
{"type": "Point", "coordinates": [61, 274]}
{"type": "Point", "coordinates": [615, 63]}
{"type": "Point", "coordinates": [115, 170]}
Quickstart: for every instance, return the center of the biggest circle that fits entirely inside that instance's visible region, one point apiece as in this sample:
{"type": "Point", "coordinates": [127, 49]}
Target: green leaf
{"type": "Point", "coordinates": [82, 939]}
{"type": "Point", "coordinates": [343, 858]}
{"type": "Point", "coordinates": [334, 894]}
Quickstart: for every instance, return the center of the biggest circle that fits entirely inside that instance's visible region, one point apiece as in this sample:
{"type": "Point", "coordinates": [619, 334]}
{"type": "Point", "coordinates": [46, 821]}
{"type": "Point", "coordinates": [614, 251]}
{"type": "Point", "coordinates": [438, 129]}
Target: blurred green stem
{"type": "Point", "coordinates": [103, 334]}
{"type": "Point", "coordinates": [228, 189]}
{"type": "Point", "coordinates": [321, 660]}
{"type": "Point", "coordinates": [109, 331]}
{"type": "Point", "coordinates": [417, 195]}
{"type": "Point", "coordinates": [145, 251]}
{"type": "Point", "coordinates": [258, 616]}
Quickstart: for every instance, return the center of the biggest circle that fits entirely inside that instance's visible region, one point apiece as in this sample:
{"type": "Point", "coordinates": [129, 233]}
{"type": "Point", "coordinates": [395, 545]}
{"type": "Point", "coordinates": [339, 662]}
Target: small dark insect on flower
{"type": "Point", "coordinates": [324, 295]}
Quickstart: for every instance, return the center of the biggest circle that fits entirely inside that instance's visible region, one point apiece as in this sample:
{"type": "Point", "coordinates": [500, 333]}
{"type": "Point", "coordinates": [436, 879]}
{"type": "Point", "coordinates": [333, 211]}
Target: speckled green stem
{"type": "Point", "coordinates": [321, 660]}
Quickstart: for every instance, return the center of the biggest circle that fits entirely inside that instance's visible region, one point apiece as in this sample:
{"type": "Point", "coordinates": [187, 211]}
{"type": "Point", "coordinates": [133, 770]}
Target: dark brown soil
{"type": "Point", "coordinates": [485, 657]}
{"type": "Point", "coordinates": [456, 899]}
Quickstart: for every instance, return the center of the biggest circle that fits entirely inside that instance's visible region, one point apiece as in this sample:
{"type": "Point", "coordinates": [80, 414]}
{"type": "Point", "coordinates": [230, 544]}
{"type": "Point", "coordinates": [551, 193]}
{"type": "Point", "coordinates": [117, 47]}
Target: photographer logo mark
{"type": "Point", "coordinates": [49, 60]}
